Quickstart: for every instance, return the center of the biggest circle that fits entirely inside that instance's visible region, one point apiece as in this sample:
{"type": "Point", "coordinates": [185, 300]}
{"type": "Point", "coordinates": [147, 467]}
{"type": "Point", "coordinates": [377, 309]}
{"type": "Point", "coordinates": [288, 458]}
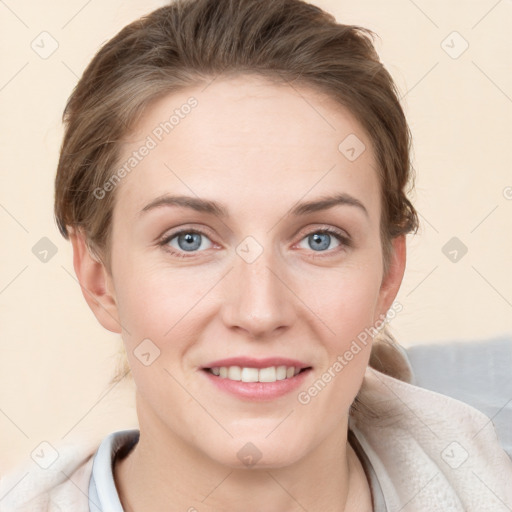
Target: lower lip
{"type": "Point", "coordinates": [258, 391]}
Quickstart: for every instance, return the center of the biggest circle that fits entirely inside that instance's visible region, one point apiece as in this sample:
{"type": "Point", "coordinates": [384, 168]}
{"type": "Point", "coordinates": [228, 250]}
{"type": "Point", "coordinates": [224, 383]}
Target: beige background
{"type": "Point", "coordinates": [57, 360]}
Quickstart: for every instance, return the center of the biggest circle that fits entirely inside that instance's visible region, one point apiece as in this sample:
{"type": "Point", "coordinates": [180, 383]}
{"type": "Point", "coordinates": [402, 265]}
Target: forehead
{"type": "Point", "coordinates": [280, 142]}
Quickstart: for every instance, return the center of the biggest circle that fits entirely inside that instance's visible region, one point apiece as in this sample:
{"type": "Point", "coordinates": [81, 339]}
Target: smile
{"type": "Point", "coordinates": [248, 374]}
{"type": "Point", "coordinates": [256, 384]}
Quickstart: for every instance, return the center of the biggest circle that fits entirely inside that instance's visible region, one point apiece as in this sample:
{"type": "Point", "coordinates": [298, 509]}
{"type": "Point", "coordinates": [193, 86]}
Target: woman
{"type": "Point", "coordinates": [232, 180]}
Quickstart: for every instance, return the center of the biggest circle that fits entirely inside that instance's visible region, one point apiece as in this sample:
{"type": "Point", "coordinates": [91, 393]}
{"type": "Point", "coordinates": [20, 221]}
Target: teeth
{"type": "Point", "coordinates": [267, 374]}
{"type": "Point", "coordinates": [250, 374]}
{"type": "Point", "coordinates": [235, 373]}
{"type": "Point", "coordinates": [270, 374]}
{"type": "Point", "coordinates": [281, 372]}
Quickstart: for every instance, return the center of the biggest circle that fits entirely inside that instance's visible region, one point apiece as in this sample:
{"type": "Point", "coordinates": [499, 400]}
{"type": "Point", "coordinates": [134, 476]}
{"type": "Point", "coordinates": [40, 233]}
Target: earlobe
{"type": "Point", "coordinates": [95, 282]}
{"type": "Point", "coordinates": [392, 281]}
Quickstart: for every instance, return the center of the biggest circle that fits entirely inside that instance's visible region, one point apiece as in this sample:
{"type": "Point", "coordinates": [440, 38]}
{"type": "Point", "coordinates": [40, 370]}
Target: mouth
{"type": "Point", "coordinates": [251, 374]}
{"type": "Point", "coordinates": [256, 379]}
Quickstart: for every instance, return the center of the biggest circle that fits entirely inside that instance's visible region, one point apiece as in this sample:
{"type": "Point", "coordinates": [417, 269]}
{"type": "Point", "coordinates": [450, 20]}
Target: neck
{"type": "Point", "coordinates": [162, 468]}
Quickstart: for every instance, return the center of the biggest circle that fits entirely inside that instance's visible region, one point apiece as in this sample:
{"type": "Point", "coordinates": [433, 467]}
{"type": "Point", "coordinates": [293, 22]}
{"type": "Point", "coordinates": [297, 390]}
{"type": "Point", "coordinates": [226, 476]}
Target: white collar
{"type": "Point", "coordinates": [103, 494]}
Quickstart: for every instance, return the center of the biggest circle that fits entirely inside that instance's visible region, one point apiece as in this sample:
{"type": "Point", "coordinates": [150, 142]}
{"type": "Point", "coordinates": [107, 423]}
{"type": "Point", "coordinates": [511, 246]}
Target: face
{"type": "Point", "coordinates": [260, 276]}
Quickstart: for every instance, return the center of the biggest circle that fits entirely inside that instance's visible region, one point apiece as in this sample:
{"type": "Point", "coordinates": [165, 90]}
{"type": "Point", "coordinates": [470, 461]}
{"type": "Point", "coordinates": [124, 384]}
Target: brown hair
{"type": "Point", "coordinates": [190, 42]}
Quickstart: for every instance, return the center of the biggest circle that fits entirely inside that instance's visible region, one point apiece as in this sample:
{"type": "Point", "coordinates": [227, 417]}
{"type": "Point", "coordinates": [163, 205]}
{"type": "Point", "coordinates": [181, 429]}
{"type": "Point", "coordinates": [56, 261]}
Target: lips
{"type": "Point", "coordinates": [253, 379]}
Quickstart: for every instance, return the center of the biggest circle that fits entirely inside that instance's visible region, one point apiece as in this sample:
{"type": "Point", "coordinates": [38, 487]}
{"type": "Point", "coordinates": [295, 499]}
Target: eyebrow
{"type": "Point", "coordinates": [215, 208]}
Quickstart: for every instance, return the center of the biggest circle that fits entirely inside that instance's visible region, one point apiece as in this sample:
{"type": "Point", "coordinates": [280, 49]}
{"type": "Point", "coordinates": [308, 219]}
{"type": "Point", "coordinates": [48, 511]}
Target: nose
{"type": "Point", "coordinates": [257, 297]}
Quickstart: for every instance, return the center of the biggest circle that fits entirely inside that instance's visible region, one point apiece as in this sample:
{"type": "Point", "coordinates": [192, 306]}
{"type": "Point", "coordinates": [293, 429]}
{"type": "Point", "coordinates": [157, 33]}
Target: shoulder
{"type": "Point", "coordinates": [55, 485]}
{"type": "Point", "coordinates": [430, 448]}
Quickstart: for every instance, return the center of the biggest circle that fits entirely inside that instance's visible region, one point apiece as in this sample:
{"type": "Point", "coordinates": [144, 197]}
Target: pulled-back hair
{"type": "Point", "coordinates": [190, 42]}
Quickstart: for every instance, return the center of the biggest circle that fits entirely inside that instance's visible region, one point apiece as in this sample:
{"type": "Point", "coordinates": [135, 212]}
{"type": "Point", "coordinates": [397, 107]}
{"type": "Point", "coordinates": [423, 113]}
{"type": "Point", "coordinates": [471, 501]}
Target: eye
{"type": "Point", "coordinates": [321, 239]}
{"type": "Point", "coordinates": [192, 241]}
{"type": "Point", "coordinates": [186, 240]}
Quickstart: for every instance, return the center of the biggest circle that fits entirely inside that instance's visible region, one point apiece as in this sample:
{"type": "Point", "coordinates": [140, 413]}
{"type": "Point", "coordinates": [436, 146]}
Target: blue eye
{"type": "Point", "coordinates": [186, 240]}
{"type": "Point", "coordinates": [320, 240]}
{"type": "Point", "coordinates": [193, 241]}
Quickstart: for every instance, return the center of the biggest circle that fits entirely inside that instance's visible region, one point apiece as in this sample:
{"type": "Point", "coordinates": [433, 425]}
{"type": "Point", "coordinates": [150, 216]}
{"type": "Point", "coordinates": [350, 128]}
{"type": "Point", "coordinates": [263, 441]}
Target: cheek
{"type": "Point", "coordinates": [153, 300]}
{"type": "Point", "coordinates": [346, 303]}
{"type": "Point", "coordinates": [165, 306]}
{"type": "Point", "coordinates": [345, 298]}
{"type": "Point", "coordinates": [153, 309]}
{"type": "Point", "coordinates": [151, 296]}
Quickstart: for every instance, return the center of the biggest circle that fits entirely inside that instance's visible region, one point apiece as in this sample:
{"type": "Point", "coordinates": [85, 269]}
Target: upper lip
{"type": "Point", "coordinates": [251, 362]}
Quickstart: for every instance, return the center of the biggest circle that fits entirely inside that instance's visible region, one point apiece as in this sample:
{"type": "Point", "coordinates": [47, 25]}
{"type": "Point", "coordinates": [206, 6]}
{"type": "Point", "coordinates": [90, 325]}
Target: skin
{"type": "Point", "coordinates": [259, 148]}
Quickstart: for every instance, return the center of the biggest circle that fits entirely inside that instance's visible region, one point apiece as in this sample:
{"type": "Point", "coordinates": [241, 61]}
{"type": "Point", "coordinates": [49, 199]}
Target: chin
{"type": "Point", "coordinates": [257, 454]}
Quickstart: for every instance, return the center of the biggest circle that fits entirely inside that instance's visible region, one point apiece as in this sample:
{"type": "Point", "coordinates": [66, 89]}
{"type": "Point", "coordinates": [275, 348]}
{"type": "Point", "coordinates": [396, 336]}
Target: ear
{"type": "Point", "coordinates": [95, 282]}
{"type": "Point", "coordinates": [393, 279]}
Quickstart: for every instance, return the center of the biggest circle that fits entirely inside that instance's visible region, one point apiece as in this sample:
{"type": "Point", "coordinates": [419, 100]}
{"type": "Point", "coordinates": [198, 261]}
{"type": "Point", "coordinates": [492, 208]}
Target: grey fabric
{"type": "Point", "coordinates": [478, 372]}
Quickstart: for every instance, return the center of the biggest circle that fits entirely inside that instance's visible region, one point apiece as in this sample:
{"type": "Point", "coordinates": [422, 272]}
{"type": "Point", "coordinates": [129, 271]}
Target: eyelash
{"type": "Point", "coordinates": [345, 241]}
